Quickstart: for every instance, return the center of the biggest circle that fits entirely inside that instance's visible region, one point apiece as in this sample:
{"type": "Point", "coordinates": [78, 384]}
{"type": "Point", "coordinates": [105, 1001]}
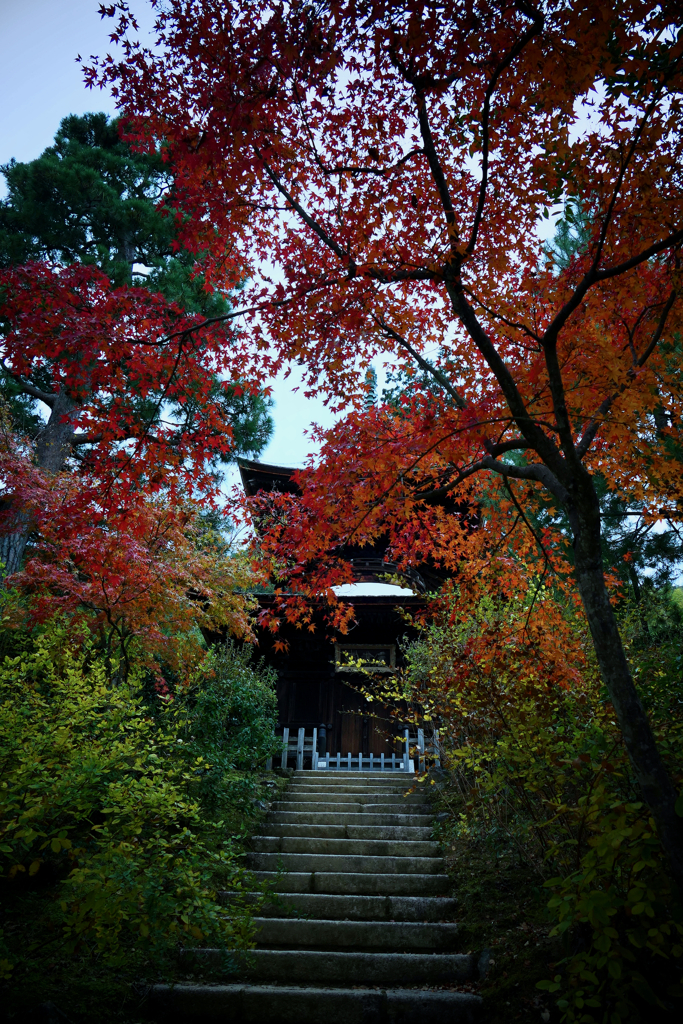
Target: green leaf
{"type": "Point", "coordinates": [614, 968]}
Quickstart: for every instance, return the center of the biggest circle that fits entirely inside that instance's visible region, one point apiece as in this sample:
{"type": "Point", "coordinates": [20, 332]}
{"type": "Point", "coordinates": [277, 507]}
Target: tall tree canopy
{"type": "Point", "coordinates": [90, 198]}
{"type": "Point", "coordinates": [95, 293]}
{"type": "Point", "coordinates": [378, 171]}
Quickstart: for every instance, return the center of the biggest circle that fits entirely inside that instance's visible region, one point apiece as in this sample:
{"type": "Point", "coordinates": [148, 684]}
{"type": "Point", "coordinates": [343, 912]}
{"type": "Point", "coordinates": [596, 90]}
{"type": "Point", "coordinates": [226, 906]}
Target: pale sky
{"type": "Point", "coordinates": [40, 83]}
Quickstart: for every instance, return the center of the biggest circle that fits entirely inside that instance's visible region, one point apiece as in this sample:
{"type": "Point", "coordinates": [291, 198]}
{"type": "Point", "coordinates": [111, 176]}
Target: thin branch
{"type": "Point", "coordinates": [525, 423]}
{"type": "Point", "coordinates": [151, 419]}
{"type": "Point", "coordinates": [399, 479]}
{"type": "Point", "coordinates": [593, 274]}
{"type": "Point", "coordinates": [531, 31]}
{"type": "Point", "coordinates": [591, 277]}
{"type": "Point", "coordinates": [378, 171]}
{"type": "Point", "coordinates": [422, 362]}
{"type": "Point", "coordinates": [499, 316]}
{"type": "Point", "coordinates": [665, 243]}
{"type": "Point", "coordinates": [258, 308]}
{"type": "Point", "coordinates": [437, 172]}
{"type": "Point", "coordinates": [605, 406]}
{"type": "Point", "coordinates": [344, 168]}
{"type": "Point", "coordinates": [659, 330]}
{"type": "Point", "coordinates": [306, 217]}
{"type": "Point", "coordinates": [537, 590]}
{"type": "Point", "coordinates": [622, 174]}
{"type": "Point", "coordinates": [513, 496]}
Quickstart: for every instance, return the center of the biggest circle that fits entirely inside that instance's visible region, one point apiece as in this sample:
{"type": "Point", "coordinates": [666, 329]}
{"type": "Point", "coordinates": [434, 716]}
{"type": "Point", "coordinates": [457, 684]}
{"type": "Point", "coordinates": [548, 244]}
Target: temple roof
{"type": "Point", "coordinates": [368, 562]}
{"type": "Point", "coordinates": [259, 476]}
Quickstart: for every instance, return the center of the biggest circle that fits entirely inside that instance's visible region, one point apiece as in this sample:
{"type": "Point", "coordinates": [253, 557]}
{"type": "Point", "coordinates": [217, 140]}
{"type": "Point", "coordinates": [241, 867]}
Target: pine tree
{"type": "Point", "coordinates": [91, 199]}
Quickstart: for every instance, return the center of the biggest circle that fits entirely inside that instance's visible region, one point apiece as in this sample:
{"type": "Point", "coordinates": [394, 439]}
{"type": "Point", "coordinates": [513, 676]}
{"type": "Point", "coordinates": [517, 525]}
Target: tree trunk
{"type": "Point", "coordinates": [656, 785]}
{"type": "Point", "coordinates": [54, 442]}
{"type": "Point", "coordinates": [53, 447]}
{"type": "Point", "coordinates": [13, 544]}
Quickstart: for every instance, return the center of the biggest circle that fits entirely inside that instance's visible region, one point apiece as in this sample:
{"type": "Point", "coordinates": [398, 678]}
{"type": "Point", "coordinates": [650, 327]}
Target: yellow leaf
{"type": "Point", "coordinates": [34, 866]}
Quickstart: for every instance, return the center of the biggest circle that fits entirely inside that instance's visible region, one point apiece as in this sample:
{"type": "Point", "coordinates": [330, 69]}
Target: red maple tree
{"type": "Point", "coordinates": [110, 489]}
{"type": "Point", "coordinates": [378, 171]}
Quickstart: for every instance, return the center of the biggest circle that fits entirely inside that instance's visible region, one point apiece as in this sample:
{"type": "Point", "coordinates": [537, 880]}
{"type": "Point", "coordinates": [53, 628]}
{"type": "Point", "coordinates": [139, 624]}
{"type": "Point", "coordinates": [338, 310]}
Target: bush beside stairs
{"type": "Point", "coordinates": [357, 934]}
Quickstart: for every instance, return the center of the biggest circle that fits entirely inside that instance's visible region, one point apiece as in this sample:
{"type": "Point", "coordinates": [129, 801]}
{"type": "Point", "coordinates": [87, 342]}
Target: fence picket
{"type": "Point", "coordinates": [303, 745]}
{"type": "Point", "coordinates": [421, 749]}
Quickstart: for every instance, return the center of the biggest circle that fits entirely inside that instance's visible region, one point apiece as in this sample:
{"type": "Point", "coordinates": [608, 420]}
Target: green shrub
{"type": "Point", "coordinates": [227, 718]}
{"type": "Point", "coordinates": [100, 796]}
{"type": "Point", "coordinates": [531, 746]}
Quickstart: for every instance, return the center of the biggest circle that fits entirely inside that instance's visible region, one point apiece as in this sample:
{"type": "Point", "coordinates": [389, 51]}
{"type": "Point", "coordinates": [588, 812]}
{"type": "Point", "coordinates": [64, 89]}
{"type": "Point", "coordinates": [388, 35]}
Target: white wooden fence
{"type": "Point", "coordinates": [302, 747]}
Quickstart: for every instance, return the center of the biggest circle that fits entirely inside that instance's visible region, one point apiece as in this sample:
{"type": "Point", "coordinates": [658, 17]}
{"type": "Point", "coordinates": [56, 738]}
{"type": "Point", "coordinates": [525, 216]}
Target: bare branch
{"type": "Point", "coordinates": [538, 472]}
{"type": "Point", "coordinates": [516, 444]}
{"type": "Point", "coordinates": [557, 392]}
{"type": "Point", "coordinates": [622, 174]}
{"type": "Point", "coordinates": [499, 316]}
{"type": "Point", "coordinates": [380, 172]}
{"type": "Point", "coordinates": [513, 496]}
{"type": "Point", "coordinates": [78, 439]}
{"type": "Point", "coordinates": [592, 276]}
{"type": "Point", "coordinates": [656, 337]}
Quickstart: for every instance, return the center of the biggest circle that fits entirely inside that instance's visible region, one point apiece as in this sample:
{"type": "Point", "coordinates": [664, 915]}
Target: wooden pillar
{"type": "Point", "coordinates": [285, 746]}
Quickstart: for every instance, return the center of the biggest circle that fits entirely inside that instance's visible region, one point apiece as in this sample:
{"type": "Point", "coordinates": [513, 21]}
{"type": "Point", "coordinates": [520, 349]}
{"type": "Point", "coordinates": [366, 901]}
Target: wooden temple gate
{"type": "Point", "coordinates": [319, 678]}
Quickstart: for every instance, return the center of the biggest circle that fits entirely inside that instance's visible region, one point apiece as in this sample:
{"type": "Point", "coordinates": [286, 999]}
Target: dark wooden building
{"type": "Point", "coordinates": [318, 680]}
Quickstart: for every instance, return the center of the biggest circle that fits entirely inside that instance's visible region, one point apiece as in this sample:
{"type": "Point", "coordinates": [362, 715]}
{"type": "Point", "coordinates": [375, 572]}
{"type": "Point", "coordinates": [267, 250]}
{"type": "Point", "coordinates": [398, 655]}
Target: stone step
{"type": "Point", "coordinates": [315, 796]}
{"type": "Point", "coordinates": [332, 967]}
{"type": "Point", "coordinates": [331, 776]}
{"type": "Point", "coordinates": [363, 883]}
{"type": "Point", "coordinates": [400, 783]}
{"type": "Point", "coordinates": [355, 817]}
{"type": "Point", "coordinates": [280, 1004]}
{"type": "Point", "coordinates": [398, 936]}
{"type": "Point", "coordinates": [345, 847]}
{"type": "Point", "coordinates": [413, 833]}
{"type": "Point", "coordinates": [348, 863]}
{"type": "Point", "coordinates": [323, 906]}
{"type": "Point", "coordinates": [360, 903]}
{"type": "Point", "coordinates": [350, 807]}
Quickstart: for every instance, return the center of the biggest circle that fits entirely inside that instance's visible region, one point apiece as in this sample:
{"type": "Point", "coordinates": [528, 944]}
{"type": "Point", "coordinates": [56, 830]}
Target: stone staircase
{"type": "Point", "coordinates": [356, 930]}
